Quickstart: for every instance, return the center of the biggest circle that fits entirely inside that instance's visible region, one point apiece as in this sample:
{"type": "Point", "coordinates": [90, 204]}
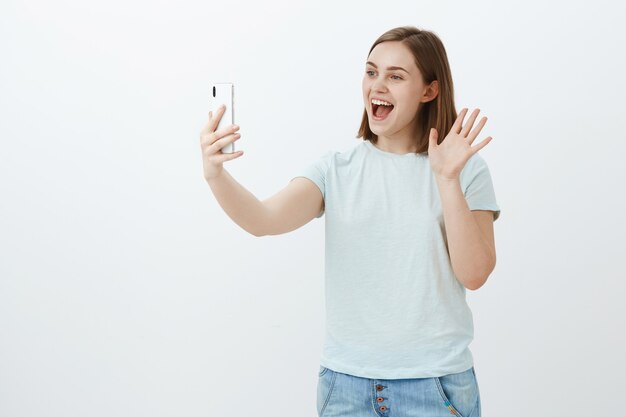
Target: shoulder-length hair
{"type": "Point", "coordinates": [430, 57]}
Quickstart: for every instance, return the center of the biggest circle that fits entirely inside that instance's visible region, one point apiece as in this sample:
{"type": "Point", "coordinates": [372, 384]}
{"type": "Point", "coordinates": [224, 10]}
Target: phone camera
{"type": "Point", "coordinates": [213, 91]}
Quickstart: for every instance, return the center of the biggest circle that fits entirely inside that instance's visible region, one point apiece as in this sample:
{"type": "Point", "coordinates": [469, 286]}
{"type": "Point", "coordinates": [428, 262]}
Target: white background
{"type": "Point", "coordinates": [125, 290]}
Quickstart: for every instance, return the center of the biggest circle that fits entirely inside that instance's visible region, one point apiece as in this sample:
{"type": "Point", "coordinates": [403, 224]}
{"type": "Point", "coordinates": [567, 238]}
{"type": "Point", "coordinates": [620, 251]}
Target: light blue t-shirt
{"type": "Point", "coordinates": [394, 308]}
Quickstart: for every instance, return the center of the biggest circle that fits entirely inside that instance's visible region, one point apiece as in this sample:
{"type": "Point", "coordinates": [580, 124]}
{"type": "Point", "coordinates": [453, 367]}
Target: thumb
{"type": "Point", "coordinates": [433, 137]}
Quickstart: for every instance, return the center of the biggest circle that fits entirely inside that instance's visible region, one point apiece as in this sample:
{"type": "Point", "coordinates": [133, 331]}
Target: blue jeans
{"type": "Point", "coordinates": [343, 395]}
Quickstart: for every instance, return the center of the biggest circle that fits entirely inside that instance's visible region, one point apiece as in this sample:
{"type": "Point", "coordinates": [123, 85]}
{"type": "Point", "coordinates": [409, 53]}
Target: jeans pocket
{"type": "Point", "coordinates": [325, 384]}
{"type": "Point", "coordinates": [459, 392]}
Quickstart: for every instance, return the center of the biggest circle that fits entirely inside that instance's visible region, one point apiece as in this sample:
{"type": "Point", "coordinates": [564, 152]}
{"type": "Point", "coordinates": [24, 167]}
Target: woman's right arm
{"type": "Point", "coordinates": [292, 207]}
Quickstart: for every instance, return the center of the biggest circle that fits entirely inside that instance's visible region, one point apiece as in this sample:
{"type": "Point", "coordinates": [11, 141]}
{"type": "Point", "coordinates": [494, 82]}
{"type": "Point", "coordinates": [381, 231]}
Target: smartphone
{"type": "Point", "coordinates": [224, 93]}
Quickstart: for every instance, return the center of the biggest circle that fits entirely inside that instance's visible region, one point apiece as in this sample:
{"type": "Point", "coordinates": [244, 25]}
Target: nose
{"type": "Point", "coordinates": [378, 85]}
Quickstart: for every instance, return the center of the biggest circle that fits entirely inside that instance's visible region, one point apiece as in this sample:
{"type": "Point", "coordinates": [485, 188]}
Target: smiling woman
{"type": "Point", "coordinates": [402, 241]}
{"type": "Point", "coordinates": [407, 68]}
{"type": "Point", "coordinates": [398, 326]}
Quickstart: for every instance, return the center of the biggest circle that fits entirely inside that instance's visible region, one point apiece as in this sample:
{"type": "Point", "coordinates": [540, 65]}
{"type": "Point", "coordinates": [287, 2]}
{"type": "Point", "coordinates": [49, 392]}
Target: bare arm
{"type": "Point", "coordinates": [470, 236]}
{"type": "Point", "coordinates": [292, 207]}
{"type": "Point", "coordinates": [240, 204]}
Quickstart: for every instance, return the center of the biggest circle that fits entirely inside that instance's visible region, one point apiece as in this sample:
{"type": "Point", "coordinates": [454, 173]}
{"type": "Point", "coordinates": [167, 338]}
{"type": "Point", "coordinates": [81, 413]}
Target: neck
{"type": "Point", "coordinates": [401, 142]}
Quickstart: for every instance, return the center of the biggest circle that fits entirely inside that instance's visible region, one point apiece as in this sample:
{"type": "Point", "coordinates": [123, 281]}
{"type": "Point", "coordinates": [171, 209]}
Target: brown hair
{"type": "Point", "coordinates": [432, 61]}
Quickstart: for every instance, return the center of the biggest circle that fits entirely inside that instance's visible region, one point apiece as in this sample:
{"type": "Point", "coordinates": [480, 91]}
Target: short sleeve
{"type": "Point", "coordinates": [478, 186]}
{"type": "Point", "coordinates": [316, 172]}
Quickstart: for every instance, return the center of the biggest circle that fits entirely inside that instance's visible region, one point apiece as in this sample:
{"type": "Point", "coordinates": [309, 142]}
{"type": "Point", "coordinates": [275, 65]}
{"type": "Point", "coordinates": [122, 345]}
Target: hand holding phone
{"type": "Point", "coordinates": [212, 141]}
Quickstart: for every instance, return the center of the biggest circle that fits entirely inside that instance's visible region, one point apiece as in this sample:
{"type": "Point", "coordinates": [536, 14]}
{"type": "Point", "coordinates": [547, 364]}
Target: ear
{"type": "Point", "coordinates": [431, 92]}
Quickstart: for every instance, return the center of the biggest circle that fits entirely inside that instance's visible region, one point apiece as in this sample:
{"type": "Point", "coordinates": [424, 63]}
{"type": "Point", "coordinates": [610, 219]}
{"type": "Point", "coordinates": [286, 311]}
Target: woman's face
{"type": "Point", "coordinates": [401, 86]}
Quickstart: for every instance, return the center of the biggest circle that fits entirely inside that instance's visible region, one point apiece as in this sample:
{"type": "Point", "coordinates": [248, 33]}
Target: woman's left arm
{"type": "Point", "coordinates": [470, 234]}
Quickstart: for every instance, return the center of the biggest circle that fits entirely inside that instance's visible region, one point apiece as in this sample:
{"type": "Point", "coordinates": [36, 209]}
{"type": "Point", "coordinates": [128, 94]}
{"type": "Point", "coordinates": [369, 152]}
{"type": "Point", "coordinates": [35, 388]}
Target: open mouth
{"type": "Point", "coordinates": [380, 112]}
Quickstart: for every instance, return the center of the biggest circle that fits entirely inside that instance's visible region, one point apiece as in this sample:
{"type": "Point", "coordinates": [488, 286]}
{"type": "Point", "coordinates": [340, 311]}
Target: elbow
{"type": "Point", "coordinates": [263, 224]}
{"type": "Point", "coordinates": [260, 227]}
{"type": "Point", "coordinates": [261, 230]}
{"type": "Point", "coordinates": [477, 280]}
{"type": "Point", "coordinates": [475, 283]}
{"type": "Point", "coordinates": [256, 232]}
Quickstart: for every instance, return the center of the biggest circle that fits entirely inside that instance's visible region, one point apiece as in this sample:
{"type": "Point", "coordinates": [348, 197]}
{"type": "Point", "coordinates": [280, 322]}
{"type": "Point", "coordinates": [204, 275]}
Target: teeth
{"type": "Point", "coordinates": [381, 103]}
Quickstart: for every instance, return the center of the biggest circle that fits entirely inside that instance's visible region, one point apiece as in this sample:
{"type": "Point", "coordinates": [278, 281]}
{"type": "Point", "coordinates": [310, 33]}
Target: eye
{"type": "Point", "coordinates": [398, 77]}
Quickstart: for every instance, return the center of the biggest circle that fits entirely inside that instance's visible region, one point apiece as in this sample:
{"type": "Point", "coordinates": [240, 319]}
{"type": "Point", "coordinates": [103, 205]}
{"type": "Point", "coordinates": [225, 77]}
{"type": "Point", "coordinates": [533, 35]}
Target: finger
{"type": "Point", "coordinates": [432, 139]}
{"type": "Point", "coordinates": [213, 121]}
{"type": "Point", "coordinates": [217, 145]}
{"type": "Point", "coordinates": [213, 137]}
{"type": "Point", "coordinates": [210, 137]}
{"type": "Point", "coordinates": [482, 144]}
{"type": "Point", "coordinates": [228, 156]}
{"type": "Point", "coordinates": [205, 129]}
{"type": "Point", "coordinates": [218, 116]}
{"type": "Point", "coordinates": [470, 122]}
{"type": "Point", "coordinates": [456, 127]}
{"type": "Point", "coordinates": [477, 130]}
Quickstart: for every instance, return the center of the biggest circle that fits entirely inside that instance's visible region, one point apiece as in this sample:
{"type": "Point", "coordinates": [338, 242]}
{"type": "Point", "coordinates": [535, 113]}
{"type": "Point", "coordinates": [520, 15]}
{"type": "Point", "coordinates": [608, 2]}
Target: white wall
{"type": "Point", "coordinates": [125, 290]}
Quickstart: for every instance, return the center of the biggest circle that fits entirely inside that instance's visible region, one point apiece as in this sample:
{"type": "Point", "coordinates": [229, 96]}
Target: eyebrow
{"type": "Point", "coordinates": [389, 68]}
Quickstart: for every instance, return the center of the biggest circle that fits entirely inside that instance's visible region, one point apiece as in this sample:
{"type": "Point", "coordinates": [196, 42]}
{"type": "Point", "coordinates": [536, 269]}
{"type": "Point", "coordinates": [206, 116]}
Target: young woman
{"type": "Point", "coordinates": [409, 226]}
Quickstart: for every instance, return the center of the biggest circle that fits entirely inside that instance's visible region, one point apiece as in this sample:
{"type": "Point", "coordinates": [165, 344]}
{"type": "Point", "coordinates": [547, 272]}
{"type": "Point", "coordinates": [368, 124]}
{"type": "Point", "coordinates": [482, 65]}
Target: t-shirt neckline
{"type": "Point", "coordinates": [377, 150]}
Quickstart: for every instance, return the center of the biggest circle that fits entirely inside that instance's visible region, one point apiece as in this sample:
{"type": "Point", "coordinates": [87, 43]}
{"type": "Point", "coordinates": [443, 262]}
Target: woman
{"type": "Point", "coordinates": [409, 226]}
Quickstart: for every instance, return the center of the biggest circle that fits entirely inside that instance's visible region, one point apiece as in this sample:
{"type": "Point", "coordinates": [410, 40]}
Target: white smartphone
{"type": "Point", "coordinates": [224, 93]}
